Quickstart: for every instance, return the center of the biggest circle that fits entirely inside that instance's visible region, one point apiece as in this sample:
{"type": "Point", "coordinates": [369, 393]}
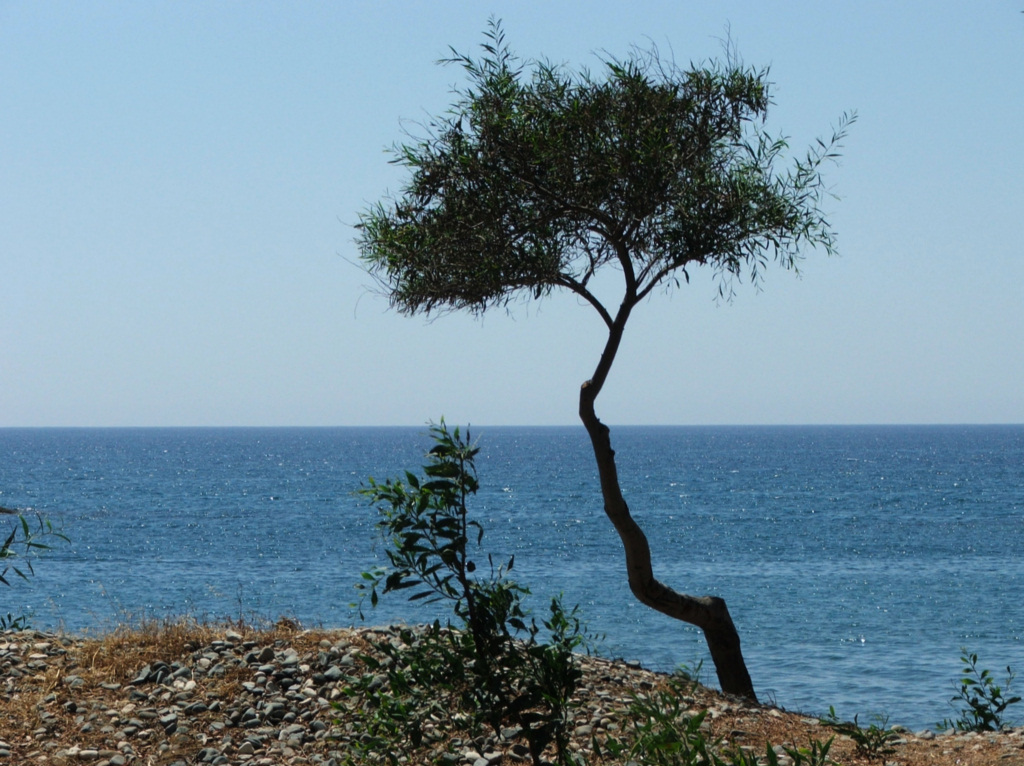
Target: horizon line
{"type": "Point", "coordinates": [908, 424]}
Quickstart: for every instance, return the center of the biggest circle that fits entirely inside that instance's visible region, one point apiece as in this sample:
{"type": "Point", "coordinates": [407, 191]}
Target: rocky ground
{"type": "Point", "coordinates": [191, 694]}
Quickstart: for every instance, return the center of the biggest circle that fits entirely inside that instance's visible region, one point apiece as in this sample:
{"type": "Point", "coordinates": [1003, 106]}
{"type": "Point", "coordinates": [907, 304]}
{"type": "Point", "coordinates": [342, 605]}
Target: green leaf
{"type": "Point", "coordinates": [442, 470]}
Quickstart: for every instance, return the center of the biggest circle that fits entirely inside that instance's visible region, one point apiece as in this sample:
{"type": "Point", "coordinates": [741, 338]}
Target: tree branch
{"type": "Point", "coordinates": [578, 288]}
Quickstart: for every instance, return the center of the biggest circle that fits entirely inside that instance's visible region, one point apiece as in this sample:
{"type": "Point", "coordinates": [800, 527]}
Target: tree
{"type": "Point", "coordinates": [538, 177]}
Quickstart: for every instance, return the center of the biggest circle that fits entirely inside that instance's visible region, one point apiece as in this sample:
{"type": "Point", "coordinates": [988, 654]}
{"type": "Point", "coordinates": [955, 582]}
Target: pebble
{"type": "Point", "coordinates": [280, 713]}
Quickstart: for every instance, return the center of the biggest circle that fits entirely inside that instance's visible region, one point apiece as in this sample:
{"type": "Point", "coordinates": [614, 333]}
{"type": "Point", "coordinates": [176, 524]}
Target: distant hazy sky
{"type": "Point", "coordinates": [179, 180]}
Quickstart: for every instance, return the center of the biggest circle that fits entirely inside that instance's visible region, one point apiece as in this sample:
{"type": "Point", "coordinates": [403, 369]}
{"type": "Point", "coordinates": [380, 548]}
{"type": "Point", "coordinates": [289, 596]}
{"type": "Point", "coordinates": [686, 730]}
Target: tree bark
{"type": "Point", "coordinates": [709, 613]}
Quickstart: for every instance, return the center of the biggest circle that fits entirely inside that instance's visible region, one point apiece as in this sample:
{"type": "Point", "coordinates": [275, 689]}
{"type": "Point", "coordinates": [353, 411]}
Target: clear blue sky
{"type": "Point", "coordinates": [179, 180]}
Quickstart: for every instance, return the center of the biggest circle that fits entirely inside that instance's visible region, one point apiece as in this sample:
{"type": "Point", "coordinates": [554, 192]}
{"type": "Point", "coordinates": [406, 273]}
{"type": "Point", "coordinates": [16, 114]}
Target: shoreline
{"type": "Point", "coordinates": [185, 693]}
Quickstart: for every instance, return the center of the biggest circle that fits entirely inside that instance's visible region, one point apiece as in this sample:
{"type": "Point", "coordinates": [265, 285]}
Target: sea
{"type": "Point", "coordinates": [857, 562]}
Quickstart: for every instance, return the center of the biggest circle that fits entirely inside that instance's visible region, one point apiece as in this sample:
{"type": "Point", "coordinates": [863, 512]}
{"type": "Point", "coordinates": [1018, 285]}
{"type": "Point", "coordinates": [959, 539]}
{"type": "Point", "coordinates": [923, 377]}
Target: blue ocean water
{"type": "Point", "coordinates": [856, 561]}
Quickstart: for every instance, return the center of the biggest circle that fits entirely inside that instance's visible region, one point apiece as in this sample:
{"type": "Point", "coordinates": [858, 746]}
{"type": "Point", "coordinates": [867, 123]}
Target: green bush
{"type": "Point", "coordinates": [432, 545]}
{"type": "Point", "coordinates": [981, 700]}
{"type": "Point", "coordinates": [875, 741]}
{"type": "Point", "coordinates": [663, 732]}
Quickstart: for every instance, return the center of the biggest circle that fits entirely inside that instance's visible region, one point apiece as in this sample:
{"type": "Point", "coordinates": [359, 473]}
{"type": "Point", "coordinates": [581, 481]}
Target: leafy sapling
{"type": "Point", "coordinates": [982, 701]}
{"type": "Point", "coordinates": [431, 545]}
{"type": "Point", "coordinates": [875, 741]}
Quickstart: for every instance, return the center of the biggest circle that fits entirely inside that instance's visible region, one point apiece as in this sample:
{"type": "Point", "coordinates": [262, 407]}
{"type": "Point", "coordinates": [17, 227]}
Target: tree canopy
{"type": "Point", "coordinates": [538, 176]}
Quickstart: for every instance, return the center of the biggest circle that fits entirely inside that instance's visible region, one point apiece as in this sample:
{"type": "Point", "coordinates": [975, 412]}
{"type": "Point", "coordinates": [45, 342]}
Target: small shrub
{"type": "Point", "coordinates": [428, 533]}
{"type": "Point", "coordinates": [815, 754]}
{"type": "Point", "coordinates": [401, 689]}
{"type": "Point", "coordinates": [550, 678]}
{"type": "Point", "coordinates": [10, 622]}
{"type": "Point", "coordinates": [981, 700]}
{"type": "Point", "coordinates": [873, 742]}
{"type": "Point", "coordinates": [664, 732]}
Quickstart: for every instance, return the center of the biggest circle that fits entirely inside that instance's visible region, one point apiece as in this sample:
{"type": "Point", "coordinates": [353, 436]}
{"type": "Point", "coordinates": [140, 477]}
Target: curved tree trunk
{"type": "Point", "coordinates": [709, 613]}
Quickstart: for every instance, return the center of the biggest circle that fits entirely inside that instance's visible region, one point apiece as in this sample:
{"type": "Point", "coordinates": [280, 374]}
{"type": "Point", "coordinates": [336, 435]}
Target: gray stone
{"type": "Point", "coordinates": [142, 676]}
{"type": "Point", "coordinates": [334, 673]}
{"type": "Point", "coordinates": [275, 711]}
